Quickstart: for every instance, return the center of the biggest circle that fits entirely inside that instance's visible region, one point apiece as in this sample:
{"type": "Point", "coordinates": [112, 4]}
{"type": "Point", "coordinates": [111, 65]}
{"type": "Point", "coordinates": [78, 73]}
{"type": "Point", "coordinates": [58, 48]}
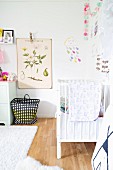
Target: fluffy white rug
{"type": "Point", "coordinates": [31, 164]}
{"type": "Point", "coordinates": [15, 142]}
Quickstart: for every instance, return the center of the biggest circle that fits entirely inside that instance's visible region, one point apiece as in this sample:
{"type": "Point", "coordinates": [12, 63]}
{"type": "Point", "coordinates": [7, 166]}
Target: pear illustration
{"type": "Point", "coordinates": [45, 73]}
{"type": "Point", "coordinates": [22, 76]}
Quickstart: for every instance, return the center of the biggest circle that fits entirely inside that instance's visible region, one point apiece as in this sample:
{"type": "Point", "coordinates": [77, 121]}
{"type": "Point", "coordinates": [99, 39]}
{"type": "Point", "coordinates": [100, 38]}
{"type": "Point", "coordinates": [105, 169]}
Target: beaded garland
{"type": "Point", "coordinates": [88, 14]}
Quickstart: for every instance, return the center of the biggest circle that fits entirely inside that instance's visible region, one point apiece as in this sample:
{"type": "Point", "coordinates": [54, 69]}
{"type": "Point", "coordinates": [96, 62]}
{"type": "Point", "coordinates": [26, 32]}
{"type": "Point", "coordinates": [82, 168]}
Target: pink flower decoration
{"type": "Point", "coordinates": [87, 6]}
{"type": "Point", "coordinates": [85, 34]}
{"type": "Point", "coordinates": [85, 9]}
{"type": "Point", "coordinates": [85, 21]}
{"type": "Point", "coordinates": [5, 73]}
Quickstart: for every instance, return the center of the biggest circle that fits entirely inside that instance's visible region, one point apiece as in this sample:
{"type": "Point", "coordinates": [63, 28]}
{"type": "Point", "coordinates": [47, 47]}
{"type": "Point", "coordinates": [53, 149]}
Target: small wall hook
{"type": "Point", "coordinates": [31, 38]}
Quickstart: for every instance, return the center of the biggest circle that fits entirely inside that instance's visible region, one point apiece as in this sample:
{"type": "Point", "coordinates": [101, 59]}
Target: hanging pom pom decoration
{"type": "Point", "coordinates": [87, 15]}
{"type": "Point", "coordinates": [86, 20]}
{"type": "Point", "coordinates": [72, 50]}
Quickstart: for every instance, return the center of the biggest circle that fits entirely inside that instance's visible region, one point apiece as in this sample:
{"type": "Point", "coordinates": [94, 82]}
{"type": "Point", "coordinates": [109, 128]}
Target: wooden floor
{"type": "Point", "coordinates": [75, 156]}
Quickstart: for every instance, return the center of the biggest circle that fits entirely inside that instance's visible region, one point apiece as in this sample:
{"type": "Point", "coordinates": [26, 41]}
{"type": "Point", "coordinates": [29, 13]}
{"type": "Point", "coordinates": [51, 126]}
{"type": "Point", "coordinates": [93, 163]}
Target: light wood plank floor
{"type": "Point", "coordinates": [75, 156]}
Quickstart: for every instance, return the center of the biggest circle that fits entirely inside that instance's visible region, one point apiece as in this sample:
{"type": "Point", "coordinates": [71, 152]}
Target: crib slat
{"type": "Point", "coordinates": [65, 95]}
{"type": "Point", "coordinates": [93, 129]}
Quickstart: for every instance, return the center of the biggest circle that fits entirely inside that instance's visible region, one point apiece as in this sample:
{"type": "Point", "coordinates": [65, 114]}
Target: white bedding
{"type": "Point", "coordinates": [84, 100]}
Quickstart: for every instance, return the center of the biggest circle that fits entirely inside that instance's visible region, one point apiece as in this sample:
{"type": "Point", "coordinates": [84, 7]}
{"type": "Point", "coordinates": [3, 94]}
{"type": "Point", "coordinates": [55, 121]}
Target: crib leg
{"type": "Point", "coordinates": [58, 149]}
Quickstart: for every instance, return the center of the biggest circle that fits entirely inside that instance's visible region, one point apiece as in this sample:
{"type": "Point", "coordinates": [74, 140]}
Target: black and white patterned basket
{"type": "Point", "coordinates": [25, 109]}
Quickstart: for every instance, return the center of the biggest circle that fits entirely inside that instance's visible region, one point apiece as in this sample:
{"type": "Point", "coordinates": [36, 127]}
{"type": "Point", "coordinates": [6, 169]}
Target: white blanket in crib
{"type": "Point", "coordinates": [84, 100]}
{"type": "Point", "coordinates": [102, 158]}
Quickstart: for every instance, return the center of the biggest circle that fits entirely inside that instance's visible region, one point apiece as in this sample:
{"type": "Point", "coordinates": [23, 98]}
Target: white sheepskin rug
{"type": "Point", "coordinates": [31, 164]}
{"type": "Point", "coordinates": [15, 142]}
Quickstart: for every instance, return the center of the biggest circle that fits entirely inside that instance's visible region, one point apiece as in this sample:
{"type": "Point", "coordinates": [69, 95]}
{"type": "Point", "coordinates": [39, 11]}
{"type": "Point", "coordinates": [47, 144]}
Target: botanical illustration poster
{"type": "Point", "coordinates": [34, 63]}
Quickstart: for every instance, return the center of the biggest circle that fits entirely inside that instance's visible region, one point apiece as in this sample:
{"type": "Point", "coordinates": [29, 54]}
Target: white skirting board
{"type": "Point", "coordinates": [41, 115]}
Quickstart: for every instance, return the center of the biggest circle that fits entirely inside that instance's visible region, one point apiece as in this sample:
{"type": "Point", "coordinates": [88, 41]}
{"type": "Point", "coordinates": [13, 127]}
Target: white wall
{"type": "Point", "coordinates": [57, 20]}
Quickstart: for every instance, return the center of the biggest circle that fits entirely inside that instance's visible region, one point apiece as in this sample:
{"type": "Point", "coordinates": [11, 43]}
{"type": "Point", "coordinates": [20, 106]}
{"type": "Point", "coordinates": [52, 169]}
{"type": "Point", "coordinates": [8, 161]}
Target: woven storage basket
{"type": "Point", "coordinates": [25, 109]}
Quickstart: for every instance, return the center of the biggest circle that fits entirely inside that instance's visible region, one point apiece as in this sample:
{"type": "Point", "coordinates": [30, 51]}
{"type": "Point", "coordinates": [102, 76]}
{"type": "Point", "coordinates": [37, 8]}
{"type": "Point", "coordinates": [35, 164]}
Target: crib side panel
{"type": "Point", "coordinates": [80, 131]}
{"type": "Point", "coordinates": [74, 131]}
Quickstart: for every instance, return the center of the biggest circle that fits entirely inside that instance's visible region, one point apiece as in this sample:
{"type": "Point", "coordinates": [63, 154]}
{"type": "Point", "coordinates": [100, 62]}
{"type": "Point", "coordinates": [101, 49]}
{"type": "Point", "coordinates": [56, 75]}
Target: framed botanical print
{"type": "Point", "coordinates": [34, 63]}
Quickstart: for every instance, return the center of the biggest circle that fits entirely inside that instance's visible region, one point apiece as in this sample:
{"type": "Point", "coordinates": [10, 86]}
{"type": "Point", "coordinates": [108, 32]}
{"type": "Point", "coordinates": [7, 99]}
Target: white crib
{"type": "Point", "coordinates": [76, 131]}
